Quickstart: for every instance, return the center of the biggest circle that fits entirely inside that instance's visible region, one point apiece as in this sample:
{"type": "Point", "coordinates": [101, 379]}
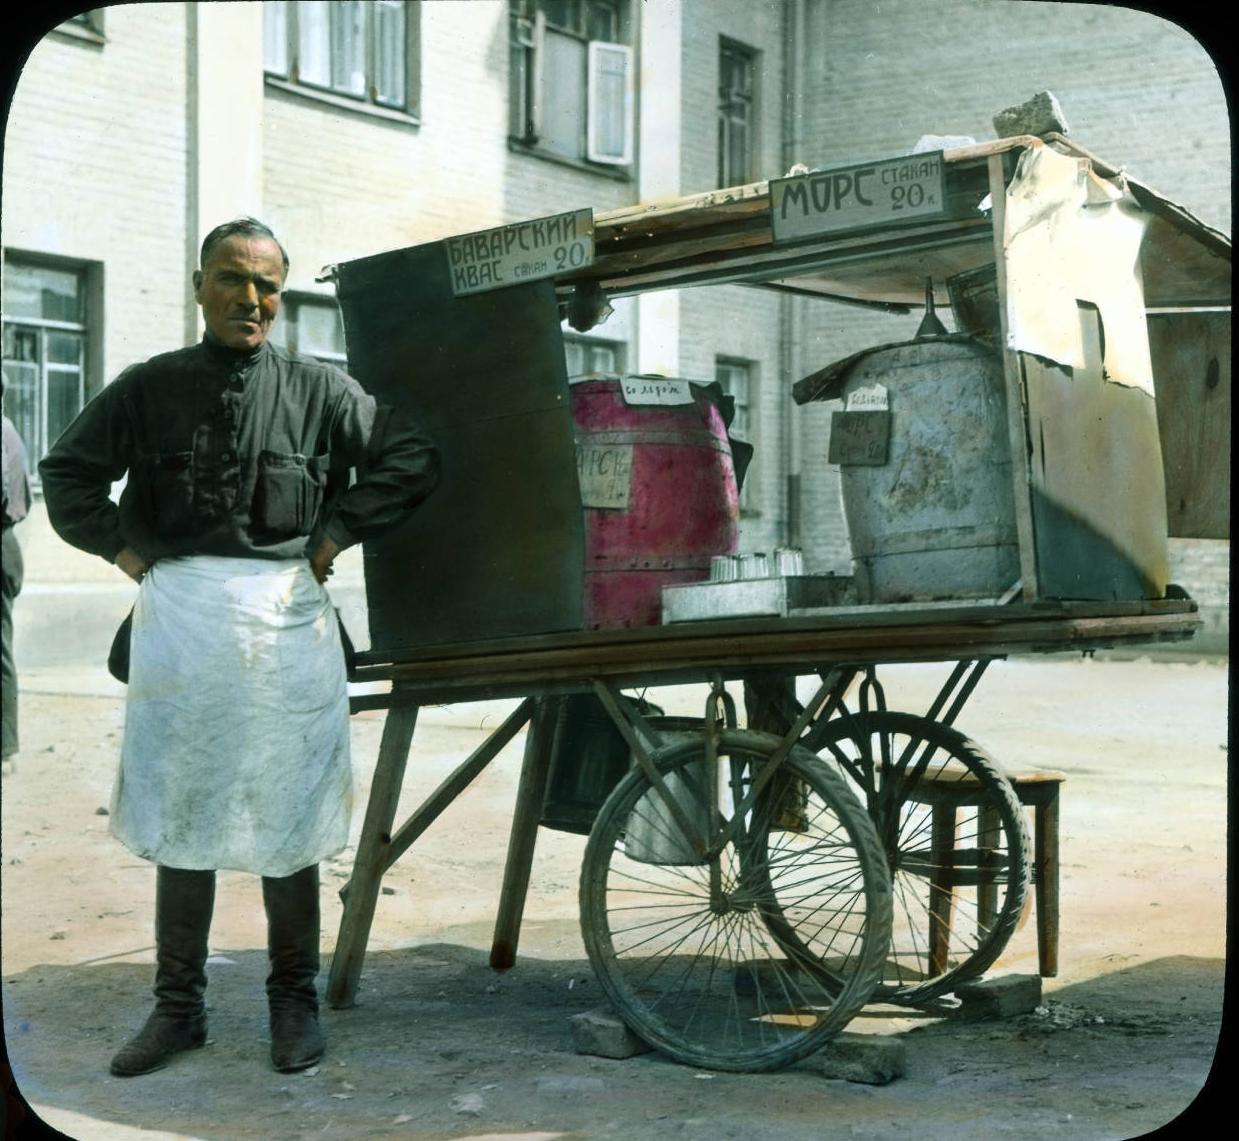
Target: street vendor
{"type": "Point", "coordinates": [235, 755]}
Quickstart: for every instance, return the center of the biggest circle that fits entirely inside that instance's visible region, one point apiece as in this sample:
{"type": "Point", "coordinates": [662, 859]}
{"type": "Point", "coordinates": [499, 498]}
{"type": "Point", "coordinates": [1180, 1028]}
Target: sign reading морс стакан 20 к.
{"type": "Point", "coordinates": [855, 197]}
{"type": "Point", "coordinates": [521, 252]}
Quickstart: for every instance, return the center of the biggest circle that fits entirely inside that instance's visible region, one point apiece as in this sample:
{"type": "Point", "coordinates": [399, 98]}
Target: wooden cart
{"type": "Point", "coordinates": [746, 889]}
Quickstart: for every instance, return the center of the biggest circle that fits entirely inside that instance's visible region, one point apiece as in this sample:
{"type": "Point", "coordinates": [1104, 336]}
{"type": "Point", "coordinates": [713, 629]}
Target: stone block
{"type": "Point", "coordinates": [1039, 116]}
{"type": "Point", "coordinates": [873, 1059]}
{"type": "Point", "coordinates": [602, 1033]}
{"type": "Point", "coordinates": [1002, 997]}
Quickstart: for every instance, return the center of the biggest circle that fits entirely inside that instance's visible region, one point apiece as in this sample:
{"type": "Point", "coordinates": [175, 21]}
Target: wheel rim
{"type": "Point", "coordinates": [684, 945]}
{"type": "Point", "coordinates": [955, 838]}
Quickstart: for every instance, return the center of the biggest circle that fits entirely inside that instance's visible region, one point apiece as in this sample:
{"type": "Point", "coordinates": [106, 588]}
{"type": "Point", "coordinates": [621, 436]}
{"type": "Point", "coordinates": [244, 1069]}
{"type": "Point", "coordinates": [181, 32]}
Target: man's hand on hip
{"type": "Point", "coordinates": [132, 563]}
{"type": "Point", "coordinates": [325, 549]}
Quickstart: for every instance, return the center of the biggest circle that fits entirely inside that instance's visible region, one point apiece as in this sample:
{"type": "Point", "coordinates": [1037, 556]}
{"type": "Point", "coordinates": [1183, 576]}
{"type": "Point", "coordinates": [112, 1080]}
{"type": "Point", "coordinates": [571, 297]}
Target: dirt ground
{"type": "Point", "coordinates": [440, 1047]}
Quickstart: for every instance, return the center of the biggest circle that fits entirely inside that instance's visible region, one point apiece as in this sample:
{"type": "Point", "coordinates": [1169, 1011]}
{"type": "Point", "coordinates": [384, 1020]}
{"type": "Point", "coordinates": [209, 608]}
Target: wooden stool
{"type": "Point", "coordinates": [1035, 789]}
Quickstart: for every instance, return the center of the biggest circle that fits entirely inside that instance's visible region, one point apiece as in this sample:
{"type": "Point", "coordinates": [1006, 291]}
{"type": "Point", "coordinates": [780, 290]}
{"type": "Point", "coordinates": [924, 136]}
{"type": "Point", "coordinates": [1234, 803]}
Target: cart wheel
{"type": "Point", "coordinates": [955, 837]}
{"type": "Point", "coordinates": [681, 942]}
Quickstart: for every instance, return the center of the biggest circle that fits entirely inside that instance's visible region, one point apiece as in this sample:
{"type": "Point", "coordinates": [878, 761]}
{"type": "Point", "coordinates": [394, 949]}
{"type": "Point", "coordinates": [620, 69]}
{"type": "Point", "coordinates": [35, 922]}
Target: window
{"type": "Point", "coordinates": [736, 66]}
{"type": "Point", "coordinates": [45, 339]}
{"type": "Point", "coordinates": [364, 50]}
{"type": "Point", "coordinates": [572, 80]}
{"type": "Point", "coordinates": [735, 379]}
{"type": "Point", "coordinates": [590, 354]}
{"type": "Point", "coordinates": [312, 326]}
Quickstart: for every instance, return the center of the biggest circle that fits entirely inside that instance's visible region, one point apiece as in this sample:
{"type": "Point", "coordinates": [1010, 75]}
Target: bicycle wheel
{"type": "Point", "coordinates": [955, 838]}
{"type": "Point", "coordinates": [680, 941]}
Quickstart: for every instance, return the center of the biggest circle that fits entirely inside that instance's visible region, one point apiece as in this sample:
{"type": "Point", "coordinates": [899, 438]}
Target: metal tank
{"type": "Point", "coordinates": [928, 494]}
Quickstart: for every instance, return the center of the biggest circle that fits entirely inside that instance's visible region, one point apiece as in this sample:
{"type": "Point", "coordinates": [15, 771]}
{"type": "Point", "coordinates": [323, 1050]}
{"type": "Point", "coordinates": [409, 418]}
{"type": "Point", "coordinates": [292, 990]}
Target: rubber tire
{"type": "Point", "coordinates": [749, 1015]}
{"type": "Point", "coordinates": [971, 951]}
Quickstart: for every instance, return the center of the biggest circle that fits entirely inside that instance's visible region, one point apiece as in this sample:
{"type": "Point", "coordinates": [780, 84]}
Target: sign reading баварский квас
{"type": "Point", "coordinates": [520, 252]}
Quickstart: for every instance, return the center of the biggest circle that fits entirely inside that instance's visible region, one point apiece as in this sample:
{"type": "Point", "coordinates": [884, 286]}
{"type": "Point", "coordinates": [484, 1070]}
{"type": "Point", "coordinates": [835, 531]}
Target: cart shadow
{"type": "Point", "coordinates": [431, 1016]}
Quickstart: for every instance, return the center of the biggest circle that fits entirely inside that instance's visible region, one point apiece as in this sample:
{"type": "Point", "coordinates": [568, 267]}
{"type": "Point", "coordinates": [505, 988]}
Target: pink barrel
{"type": "Point", "coordinates": [659, 492]}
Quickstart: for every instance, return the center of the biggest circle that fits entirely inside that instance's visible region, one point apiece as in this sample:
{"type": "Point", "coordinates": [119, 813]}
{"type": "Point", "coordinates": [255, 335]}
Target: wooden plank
{"type": "Point", "coordinates": [362, 891]}
{"type": "Point", "coordinates": [796, 648]}
{"type": "Point", "coordinates": [530, 795]}
{"type": "Point", "coordinates": [1017, 431]}
{"type": "Point", "coordinates": [456, 783]}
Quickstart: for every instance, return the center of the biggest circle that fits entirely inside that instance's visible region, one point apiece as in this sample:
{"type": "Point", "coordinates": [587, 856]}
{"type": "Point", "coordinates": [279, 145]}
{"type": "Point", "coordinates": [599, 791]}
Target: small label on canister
{"type": "Point", "coordinates": [871, 399]}
{"type": "Point", "coordinates": [604, 472]}
{"type": "Point", "coordinates": [656, 390]}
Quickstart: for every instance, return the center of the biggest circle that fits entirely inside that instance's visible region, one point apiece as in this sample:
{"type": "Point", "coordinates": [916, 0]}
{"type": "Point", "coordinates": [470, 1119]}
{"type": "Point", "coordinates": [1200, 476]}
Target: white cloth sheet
{"type": "Point", "coordinates": [236, 743]}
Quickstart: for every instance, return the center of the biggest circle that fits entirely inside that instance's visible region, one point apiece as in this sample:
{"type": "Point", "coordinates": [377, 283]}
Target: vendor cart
{"type": "Point", "coordinates": [754, 876]}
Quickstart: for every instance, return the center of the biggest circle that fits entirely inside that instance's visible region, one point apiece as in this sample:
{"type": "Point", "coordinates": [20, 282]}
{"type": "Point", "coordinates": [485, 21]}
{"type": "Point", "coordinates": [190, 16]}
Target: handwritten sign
{"type": "Point", "coordinates": [604, 472]}
{"type": "Point", "coordinates": [859, 438]}
{"type": "Point", "coordinates": [520, 252]}
{"type": "Point", "coordinates": [855, 197]}
{"type": "Point", "coordinates": [871, 399]}
{"type": "Point", "coordinates": [656, 390]}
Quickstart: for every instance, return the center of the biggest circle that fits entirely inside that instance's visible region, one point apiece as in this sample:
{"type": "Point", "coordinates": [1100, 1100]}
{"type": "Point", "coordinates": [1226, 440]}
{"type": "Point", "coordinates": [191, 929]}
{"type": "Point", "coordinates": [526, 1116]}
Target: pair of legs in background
{"type": "Point", "coordinates": [184, 903]}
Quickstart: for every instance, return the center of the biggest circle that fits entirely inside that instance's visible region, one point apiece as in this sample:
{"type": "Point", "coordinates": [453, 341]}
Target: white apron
{"type": "Point", "coordinates": [236, 744]}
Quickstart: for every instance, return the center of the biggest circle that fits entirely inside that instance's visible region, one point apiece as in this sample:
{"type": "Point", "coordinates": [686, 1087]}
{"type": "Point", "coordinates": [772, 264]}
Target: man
{"type": "Point", "coordinates": [13, 510]}
{"type": "Point", "coordinates": [235, 749]}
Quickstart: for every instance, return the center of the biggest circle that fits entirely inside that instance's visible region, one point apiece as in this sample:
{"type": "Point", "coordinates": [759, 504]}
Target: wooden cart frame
{"type": "Point", "coordinates": [727, 237]}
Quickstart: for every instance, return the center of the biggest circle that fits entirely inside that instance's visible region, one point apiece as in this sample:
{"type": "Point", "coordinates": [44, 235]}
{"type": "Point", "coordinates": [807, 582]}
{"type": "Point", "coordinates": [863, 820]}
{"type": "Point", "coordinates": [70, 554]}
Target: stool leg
{"type": "Point", "coordinates": [989, 830]}
{"type": "Point", "coordinates": [1045, 859]}
{"type": "Point", "coordinates": [941, 886]}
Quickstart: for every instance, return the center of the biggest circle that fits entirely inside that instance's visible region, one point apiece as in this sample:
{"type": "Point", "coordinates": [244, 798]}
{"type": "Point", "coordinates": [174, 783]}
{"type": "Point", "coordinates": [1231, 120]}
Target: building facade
{"type": "Point", "coordinates": [355, 128]}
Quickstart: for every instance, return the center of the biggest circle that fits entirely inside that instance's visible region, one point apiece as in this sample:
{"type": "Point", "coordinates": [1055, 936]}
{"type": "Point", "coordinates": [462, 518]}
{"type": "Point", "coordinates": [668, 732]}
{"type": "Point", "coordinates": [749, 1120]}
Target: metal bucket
{"type": "Point", "coordinates": [589, 758]}
{"type": "Point", "coordinates": [652, 835]}
{"type": "Point", "coordinates": [660, 496]}
{"type": "Point", "coordinates": [936, 520]}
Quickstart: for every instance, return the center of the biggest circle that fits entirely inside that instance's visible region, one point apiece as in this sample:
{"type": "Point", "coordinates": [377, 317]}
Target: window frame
{"type": "Point", "coordinates": [588, 344]}
{"type": "Point", "coordinates": [291, 307]}
{"type": "Point", "coordinates": [285, 74]}
{"type": "Point", "coordinates": [528, 29]}
{"type": "Point", "coordinates": [726, 117]}
{"type": "Point", "coordinates": [89, 287]}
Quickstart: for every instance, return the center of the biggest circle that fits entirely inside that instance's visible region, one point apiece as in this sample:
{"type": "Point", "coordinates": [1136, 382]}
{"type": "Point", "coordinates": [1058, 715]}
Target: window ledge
{"type": "Point", "coordinates": [602, 170]}
{"type": "Point", "coordinates": [343, 102]}
{"type": "Point", "coordinates": [79, 34]}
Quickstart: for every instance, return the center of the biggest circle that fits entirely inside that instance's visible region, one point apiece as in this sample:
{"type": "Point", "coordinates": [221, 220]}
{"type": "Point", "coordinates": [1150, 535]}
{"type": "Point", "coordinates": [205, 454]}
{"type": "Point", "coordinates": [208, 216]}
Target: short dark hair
{"type": "Point", "coordinates": [239, 227]}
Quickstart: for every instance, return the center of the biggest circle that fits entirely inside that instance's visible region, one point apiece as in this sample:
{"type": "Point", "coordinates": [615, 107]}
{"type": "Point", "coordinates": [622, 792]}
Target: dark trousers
{"type": "Point", "coordinates": [11, 565]}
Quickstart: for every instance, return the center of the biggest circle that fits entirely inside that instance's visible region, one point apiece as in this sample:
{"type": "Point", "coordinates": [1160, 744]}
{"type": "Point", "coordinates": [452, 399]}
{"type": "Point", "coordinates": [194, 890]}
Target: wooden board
{"type": "Point", "coordinates": [498, 549]}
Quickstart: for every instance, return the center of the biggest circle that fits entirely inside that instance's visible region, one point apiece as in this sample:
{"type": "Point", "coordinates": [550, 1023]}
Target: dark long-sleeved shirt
{"type": "Point", "coordinates": [234, 454]}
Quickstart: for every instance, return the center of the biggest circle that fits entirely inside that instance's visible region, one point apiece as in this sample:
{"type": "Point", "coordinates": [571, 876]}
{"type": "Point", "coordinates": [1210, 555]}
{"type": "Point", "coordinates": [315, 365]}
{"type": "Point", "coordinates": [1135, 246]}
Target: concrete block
{"type": "Point", "coordinates": [874, 1059]}
{"type": "Point", "coordinates": [602, 1033]}
{"type": "Point", "coordinates": [1039, 116]}
{"type": "Point", "coordinates": [1003, 997]}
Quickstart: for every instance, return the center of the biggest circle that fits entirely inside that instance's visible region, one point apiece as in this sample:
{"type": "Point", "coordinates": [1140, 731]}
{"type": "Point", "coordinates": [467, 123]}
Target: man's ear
{"type": "Point", "coordinates": [197, 280]}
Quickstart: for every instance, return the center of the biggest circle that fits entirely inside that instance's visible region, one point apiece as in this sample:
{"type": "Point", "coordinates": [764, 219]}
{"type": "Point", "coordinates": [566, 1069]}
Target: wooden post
{"type": "Point", "coordinates": [530, 794]}
{"type": "Point", "coordinates": [362, 891]}
{"type": "Point", "coordinates": [1015, 389]}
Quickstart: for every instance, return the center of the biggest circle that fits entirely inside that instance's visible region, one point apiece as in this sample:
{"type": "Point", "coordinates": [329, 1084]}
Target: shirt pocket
{"type": "Point", "coordinates": [166, 482]}
{"type": "Point", "coordinates": [288, 493]}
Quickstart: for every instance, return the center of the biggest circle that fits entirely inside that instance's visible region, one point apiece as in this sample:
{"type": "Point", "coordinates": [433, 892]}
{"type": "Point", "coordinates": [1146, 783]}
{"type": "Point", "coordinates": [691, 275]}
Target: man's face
{"type": "Point", "coordinates": [239, 290]}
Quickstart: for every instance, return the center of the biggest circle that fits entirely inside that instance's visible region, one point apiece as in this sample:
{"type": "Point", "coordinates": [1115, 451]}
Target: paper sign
{"type": "Point", "coordinates": [605, 475]}
{"type": "Point", "coordinates": [853, 197]}
{"type": "Point", "coordinates": [656, 390]}
{"type": "Point", "coordinates": [520, 252]}
{"type": "Point", "coordinates": [872, 399]}
{"type": "Point", "coordinates": [859, 438]}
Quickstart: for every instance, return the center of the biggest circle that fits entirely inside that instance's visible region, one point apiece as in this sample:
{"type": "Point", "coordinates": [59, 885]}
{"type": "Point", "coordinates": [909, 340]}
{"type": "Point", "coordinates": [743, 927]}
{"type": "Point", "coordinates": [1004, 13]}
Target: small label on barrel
{"type": "Point", "coordinates": [656, 390]}
{"type": "Point", "coordinates": [605, 474]}
{"type": "Point", "coordinates": [859, 438]}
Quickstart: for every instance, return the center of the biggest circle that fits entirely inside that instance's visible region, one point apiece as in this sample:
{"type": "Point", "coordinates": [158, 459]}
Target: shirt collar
{"type": "Point", "coordinates": [231, 358]}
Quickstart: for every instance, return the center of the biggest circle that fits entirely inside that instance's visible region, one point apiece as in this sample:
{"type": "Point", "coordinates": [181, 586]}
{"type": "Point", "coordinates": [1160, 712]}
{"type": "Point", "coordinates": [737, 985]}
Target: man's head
{"type": "Point", "coordinates": [240, 282]}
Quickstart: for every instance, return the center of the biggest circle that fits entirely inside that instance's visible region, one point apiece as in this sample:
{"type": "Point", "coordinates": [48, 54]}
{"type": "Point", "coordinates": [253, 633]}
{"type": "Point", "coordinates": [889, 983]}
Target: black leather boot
{"type": "Point", "coordinates": [292, 948]}
{"type": "Point", "coordinates": [184, 901]}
